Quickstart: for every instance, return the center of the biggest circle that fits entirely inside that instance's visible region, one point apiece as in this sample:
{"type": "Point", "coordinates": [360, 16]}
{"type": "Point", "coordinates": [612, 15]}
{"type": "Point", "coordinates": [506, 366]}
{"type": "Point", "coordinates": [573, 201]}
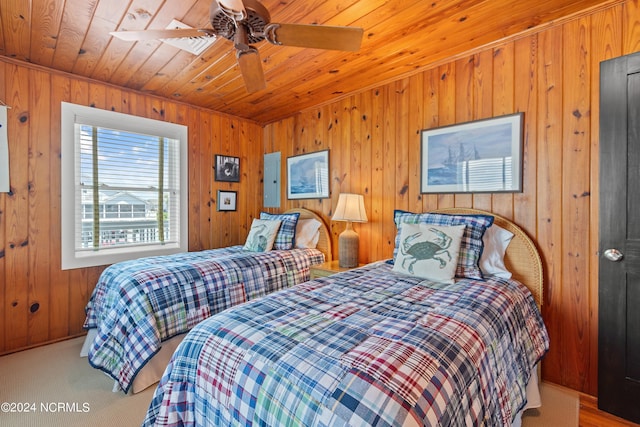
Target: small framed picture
{"type": "Point", "coordinates": [227, 168]}
{"type": "Point", "coordinates": [227, 200]}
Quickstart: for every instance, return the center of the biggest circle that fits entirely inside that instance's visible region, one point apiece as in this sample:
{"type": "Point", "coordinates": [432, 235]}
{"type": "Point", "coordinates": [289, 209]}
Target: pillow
{"type": "Point", "coordinates": [471, 246]}
{"type": "Point", "coordinates": [307, 233]}
{"type": "Point", "coordinates": [262, 235]}
{"type": "Point", "coordinates": [496, 240]}
{"type": "Point", "coordinates": [429, 251]}
{"type": "Point", "coordinates": [287, 234]}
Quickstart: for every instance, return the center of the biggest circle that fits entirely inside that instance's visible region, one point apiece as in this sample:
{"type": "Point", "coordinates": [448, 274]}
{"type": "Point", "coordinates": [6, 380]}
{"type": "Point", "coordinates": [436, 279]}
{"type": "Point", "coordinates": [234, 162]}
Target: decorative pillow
{"type": "Point", "coordinates": [287, 234]}
{"type": "Point", "coordinates": [307, 233]}
{"type": "Point", "coordinates": [429, 251]}
{"type": "Point", "coordinates": [471, 246]}
{"type": "Point", "coordinates": [262, 235]}
{"type": "Point", "coordinates": [496, 240]}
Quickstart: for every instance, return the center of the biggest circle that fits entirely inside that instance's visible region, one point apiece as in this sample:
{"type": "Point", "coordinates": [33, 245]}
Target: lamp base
{"type": "Point", "coordinates": [348, 243]}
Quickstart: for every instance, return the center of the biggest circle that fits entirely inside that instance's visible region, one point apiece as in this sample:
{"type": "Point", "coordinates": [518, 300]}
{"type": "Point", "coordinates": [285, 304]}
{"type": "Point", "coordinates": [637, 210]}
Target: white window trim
{"type": "Point", "coordinates": [110, 119]}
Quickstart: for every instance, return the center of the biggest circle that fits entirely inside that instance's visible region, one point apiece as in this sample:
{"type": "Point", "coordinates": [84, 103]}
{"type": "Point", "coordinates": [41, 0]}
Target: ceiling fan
{"type": "Point", "coordinates": [247, 21]}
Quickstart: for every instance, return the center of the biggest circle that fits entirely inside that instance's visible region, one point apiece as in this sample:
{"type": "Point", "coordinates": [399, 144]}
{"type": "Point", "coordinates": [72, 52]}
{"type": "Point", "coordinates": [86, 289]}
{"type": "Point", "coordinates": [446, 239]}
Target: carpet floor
{"type": "Point", "coordinates": [52, 386]}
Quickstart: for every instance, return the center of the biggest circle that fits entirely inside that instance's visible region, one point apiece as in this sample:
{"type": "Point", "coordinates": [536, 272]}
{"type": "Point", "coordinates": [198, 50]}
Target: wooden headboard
{"type": "Point", "coordinates": [521, 259]}
{"type": "Point", "coordinates": [324, 242]}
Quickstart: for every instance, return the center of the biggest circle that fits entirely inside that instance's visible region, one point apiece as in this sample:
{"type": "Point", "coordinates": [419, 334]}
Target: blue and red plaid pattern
{"type": "Point", "coordinates": [140, 303]}
{"type": "Point", "coordinates": [364, 347]}
{"type": "Point", "coordinates": [285, 239]}
{"type": "Point", "coordinates": [471, 245]}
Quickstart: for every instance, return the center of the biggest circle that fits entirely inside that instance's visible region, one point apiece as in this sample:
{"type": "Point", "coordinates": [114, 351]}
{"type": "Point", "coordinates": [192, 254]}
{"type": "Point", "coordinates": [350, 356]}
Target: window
{"type": "Point", "coordinates": [124, 187]}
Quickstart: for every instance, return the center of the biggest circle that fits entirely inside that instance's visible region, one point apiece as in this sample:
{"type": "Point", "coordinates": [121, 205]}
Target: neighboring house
{"type": "Point", "coordinates": [123, 218]}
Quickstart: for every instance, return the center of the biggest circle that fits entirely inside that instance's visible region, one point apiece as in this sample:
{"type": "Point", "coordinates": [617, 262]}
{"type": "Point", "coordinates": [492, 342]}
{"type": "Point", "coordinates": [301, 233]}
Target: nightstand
{"type": "Point", "coordinates": [328, 268]}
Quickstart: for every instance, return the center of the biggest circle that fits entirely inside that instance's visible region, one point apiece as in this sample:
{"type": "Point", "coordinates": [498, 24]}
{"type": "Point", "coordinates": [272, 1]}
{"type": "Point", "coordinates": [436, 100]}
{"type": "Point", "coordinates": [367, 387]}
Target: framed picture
{"type": "Point", "coordinates": [483, 156]}
{"type": "Point", "coordinates": [227, 168]}
{"type": "Point", "coordinates": [227, 200]}
{"type": "Point", "coordinates": [308, 176]}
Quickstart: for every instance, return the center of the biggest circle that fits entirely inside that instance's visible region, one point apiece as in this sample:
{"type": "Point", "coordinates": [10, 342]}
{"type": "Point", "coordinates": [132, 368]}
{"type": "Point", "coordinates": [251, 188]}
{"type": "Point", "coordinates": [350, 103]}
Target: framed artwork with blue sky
{"type": "Point", "coordinates": [482, 156]}
{"type": "Point", "coordinates": [308, 175]}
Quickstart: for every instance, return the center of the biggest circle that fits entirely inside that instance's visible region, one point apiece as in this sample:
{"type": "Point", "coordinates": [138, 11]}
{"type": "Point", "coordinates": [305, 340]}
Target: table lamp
{"type": "Point", "coordinates": [350, 209]}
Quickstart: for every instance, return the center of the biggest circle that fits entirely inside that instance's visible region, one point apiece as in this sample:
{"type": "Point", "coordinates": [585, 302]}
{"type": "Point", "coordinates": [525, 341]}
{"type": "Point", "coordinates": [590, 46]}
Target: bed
{"type": "Point", "coordinates": [376, 345]}
{"type": "Point", "coordinates": [140, 310]}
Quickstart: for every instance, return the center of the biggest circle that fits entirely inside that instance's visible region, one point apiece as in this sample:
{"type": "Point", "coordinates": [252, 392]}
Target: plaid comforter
{"type": "Point", "coordinates": [140, 303]}
{"type": "Point", "coordinates": [363, 347]}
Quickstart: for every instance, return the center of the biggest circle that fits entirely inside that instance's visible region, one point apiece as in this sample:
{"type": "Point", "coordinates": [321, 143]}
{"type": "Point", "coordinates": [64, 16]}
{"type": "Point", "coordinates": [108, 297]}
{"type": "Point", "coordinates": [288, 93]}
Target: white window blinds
{"type": "Point", "coordinates": [128, 186]}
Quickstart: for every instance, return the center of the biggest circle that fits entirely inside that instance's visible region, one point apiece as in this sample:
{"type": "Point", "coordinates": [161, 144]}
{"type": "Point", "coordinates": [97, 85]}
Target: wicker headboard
{"type": "Point", "coordinates": [324, 242]}
{"type": "Point", "coordinates": [521, 259]}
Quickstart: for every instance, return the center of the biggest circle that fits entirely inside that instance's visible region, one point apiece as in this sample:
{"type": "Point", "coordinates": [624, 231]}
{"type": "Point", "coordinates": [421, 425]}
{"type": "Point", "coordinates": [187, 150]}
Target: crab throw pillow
{"type": "Point", "coordinates": [471, 246]}
{"type": "Point", "coordinates": [429, 251]}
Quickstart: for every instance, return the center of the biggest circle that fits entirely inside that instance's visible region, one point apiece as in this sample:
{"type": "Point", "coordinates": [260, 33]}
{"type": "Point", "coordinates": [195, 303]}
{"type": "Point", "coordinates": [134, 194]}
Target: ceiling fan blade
{"type": "Point", "coordinates": [251, 69]}
{"type": "Point", "coordinates": [314, 36]}
{"type": "Point", "coordinates": [162, 34]}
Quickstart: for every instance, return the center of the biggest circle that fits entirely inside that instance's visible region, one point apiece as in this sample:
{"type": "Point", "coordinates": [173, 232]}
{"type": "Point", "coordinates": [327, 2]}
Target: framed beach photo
{"type": "Point", "coordinates": [483, 156]}
{"type": "Point", "coordinates": [227, 200]}
{"type": "Point", "coordinates": [227, 168]}
{"type": "Point", "coordinates": [308, 176]}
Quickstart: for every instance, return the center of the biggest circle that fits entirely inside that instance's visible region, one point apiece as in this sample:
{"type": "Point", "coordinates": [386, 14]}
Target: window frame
{"type": "Point", "coordinates": [71, 208]}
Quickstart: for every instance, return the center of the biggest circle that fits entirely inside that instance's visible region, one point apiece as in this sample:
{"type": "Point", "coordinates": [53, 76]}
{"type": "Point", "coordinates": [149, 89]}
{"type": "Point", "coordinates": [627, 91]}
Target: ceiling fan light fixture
{"type": "Point", "coordinates": [234, 9]}
{"type": "Point", "coordinates": [256, 16]}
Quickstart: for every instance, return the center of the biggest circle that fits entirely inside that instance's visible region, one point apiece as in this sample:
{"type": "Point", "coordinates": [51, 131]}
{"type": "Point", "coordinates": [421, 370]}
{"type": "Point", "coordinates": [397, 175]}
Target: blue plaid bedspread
{"type": "Point", "coordinates": [360, 348]}
{"type": "Point", "coordinates": [140, 303]}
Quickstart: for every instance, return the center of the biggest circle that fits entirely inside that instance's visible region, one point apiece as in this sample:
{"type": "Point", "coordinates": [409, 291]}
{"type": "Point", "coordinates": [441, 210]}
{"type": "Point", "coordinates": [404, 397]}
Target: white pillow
{"type": "Point", "coordinates": [496, 240]}
{"type": "Point", "coordinates": [262, 235]}
{"type": "Point", "coordinates": [307, 233]}
{"type": "Point", "coordinates": [429, 251]}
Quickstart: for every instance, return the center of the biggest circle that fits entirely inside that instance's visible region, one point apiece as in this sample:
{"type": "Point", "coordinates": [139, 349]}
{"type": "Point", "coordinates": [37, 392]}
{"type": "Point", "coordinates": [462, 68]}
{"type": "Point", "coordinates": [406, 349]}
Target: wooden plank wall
{"type": "Point", "coordinates": [39, 302]}
{"type": "Point", "coordinates": [552, 76]}
{"type": "Point", "coordinates": [373, 136]}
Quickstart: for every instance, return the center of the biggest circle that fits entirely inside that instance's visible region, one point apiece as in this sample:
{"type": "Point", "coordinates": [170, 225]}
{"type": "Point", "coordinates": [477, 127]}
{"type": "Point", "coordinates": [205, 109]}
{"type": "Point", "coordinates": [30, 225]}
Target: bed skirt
{"type": "Point", "coordinates": [151, 373]}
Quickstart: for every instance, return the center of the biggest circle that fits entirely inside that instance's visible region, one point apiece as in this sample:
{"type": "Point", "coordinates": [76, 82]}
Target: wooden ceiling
{"type": "Point", "coordinates": [401, 37]}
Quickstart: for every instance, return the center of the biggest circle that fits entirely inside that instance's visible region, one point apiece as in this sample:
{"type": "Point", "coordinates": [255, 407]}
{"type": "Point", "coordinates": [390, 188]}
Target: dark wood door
{"type": "Point", "coordinates": [619, 266]}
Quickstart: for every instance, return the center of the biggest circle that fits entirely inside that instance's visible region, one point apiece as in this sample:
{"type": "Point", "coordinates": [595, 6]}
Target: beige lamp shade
{"type": "Point", "coordinates": [350, 208]}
